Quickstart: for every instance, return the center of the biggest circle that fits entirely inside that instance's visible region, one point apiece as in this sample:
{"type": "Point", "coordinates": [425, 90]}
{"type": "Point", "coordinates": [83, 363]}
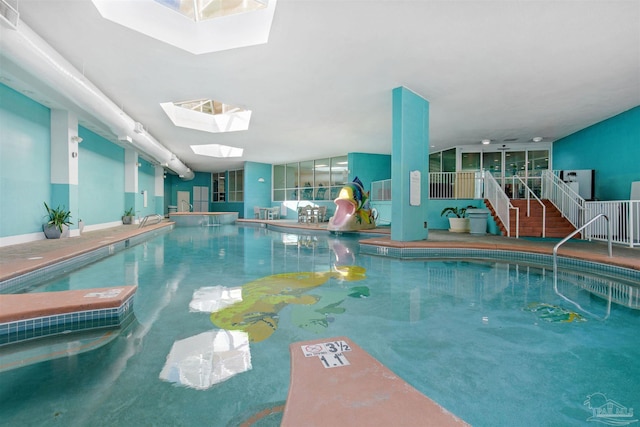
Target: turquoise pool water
{"type": "Point", "coordinates": [484, 339]}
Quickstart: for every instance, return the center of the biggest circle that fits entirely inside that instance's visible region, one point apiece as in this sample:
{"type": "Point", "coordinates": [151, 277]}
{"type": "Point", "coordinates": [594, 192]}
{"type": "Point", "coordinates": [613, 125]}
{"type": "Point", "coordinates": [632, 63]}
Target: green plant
{"type": "Point", "coordinates": [58, 216]}
{"type": "Point", "coordinates": [455, 211]}
{"type": "Point", "coordinates": [129, 212]}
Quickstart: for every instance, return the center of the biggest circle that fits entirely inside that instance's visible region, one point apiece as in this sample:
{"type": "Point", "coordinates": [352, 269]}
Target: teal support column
{"type": "Point", "coordinates": [409, 166]}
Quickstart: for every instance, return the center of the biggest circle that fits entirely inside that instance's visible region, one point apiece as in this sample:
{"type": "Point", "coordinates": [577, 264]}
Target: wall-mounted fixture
{"type": "Point", "coordinates": [138, 164]}
{"type": "Point", "coordinates": [74, 154]}
{"type": "Point", "coordinates": [138, 128]}
{"type": "Point", "coordinates": [260, 179]}
{"type": "Point", "coordinates": [76, 139]}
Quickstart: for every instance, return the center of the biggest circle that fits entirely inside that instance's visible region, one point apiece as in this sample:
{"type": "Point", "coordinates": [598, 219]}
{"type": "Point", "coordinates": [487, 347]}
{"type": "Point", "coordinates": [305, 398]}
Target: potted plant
{"type": "Point", "coordinates": [127, 218]}
{"type": "Point", "coordinates": [57, 225]}
{"type": "Point", "coordinates": [458, 221]}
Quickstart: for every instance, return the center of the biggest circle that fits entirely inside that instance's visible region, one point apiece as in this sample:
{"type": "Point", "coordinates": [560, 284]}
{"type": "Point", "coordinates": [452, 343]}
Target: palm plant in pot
{"type": "Point", "coordinates": [58, 222]}
{"type": "Point", "coordinates": [458, 221]}
{"type": "Point", "coordinates": [127, 218]}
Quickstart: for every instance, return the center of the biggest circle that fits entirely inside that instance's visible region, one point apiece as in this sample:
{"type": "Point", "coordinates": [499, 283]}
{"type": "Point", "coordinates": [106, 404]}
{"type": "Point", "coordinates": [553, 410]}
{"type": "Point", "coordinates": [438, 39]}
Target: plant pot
{"type": "Point", "coordinates": [459, 225]}
{"type": "Point", "coordinates": [52, 232]}
{"type": "Point", "coordinates": [127, 220]}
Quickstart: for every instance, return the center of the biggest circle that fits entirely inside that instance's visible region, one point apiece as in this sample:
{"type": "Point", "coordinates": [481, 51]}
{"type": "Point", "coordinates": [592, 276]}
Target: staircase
{"type": "Point", "coordinates": [531, 226]}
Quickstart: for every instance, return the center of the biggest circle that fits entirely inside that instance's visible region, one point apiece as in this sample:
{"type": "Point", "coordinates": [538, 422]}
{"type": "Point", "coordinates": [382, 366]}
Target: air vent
{"type": "Point", "coordinates": [510, 140]}
{"type": "Point", "coordinates": [9, 13]}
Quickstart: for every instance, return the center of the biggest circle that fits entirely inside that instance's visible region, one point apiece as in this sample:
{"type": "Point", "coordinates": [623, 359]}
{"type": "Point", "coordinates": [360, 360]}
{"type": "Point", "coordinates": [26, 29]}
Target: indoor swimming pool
{"type": "Point", "coordinates": [490, 341]}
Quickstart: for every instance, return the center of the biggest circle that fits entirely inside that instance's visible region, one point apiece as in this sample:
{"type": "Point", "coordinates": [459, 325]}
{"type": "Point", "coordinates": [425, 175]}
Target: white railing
{"type": "Point", "coordinates": [568, 202]}
{"type": "Point", "coordinates": [380, 190]}
{"type": "Point", "coordinates": [501, 204]}
{"type": "Point", "coordinates": [456, 185]}
{"type": "Point", "coordinates": [624, 216]}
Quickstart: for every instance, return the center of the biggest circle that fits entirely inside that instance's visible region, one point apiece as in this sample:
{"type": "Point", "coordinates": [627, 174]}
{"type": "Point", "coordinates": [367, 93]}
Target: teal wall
{"type": "Point", "coordinates": [101, 175]}
{"type": "Point", "coordinates": [611, 148]}
{"type": "Point", "coordinates": [25, 169]}
{"type": "Point", "coordinates": [256, 193]}
{"type": "Point", "coordinates": [25, 172]}
{"type": "Point", "coordinates": [369, 168]}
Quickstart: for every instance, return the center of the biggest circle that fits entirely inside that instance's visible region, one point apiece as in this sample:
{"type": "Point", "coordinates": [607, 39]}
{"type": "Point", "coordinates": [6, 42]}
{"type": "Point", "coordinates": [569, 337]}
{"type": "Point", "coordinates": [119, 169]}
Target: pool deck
{"type": "Point", "coordinates": [22, 258]}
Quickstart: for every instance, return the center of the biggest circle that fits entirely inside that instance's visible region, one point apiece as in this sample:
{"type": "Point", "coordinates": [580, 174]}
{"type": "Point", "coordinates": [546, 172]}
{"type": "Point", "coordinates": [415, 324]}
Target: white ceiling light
{"type": "Point", "coordinates": [217, 150]}
{"type": "Point", "coordinates": [537, 139]}
{"type": "Point", "coordinates": [486, 141]}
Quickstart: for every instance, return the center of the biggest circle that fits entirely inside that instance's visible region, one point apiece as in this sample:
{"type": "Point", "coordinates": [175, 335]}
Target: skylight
{"type": "Point", "coordinates": [200, 34]}
{"type": "Point", "coordinates": [207, 115]}
{"type": "Point", "coordinates": [217, 150]}
{"type": "Point", "coordinates": [200, 10]}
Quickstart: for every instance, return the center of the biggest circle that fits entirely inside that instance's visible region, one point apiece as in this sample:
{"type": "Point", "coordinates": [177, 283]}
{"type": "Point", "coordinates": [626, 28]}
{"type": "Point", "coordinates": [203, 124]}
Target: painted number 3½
{"type": "Point", "coordinates": [338, 346]}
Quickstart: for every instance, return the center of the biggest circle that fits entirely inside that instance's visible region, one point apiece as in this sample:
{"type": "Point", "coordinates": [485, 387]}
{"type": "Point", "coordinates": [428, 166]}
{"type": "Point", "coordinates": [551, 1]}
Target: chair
{"type": "Point", "coordinates": [256, 212]}
{"type": "Point", "coordinates": [322, 214]}
{"type": "Point", "coordinates": [273, 213]}
{"type": "Point", "coordinates": [302, 214]}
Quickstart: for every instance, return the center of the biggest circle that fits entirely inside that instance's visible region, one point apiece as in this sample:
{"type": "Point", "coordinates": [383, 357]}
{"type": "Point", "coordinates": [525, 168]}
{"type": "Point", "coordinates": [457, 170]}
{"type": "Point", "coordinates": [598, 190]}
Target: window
{"type": "Point", "coordinates": [236, 185]}
{"type": "Point", "coordinates": [310, 180]}
{"type": "Point", "coordinates": [217, 187]}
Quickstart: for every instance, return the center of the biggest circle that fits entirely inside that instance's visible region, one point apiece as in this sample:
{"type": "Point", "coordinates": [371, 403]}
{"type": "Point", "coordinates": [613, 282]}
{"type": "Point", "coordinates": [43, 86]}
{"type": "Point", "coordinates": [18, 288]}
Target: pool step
{"type": "Point", "coordinates": [336, 383]}
{"type": "Point", "coordinates": [34, 315]}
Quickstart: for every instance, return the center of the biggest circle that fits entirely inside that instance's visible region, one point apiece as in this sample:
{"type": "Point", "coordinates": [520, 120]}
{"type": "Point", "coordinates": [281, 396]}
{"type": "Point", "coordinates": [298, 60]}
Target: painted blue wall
{"type": "Point", "coordinates": [611, 148]}
{"type": "Point", "coordinates": [101, 178]}
{"type": "Point", "coordinates": [256, 193]}
{"type": "Point", "coordinates": [369, 167]}
{"type": "Point", "coordinates": [25, 168]}
{"type": "Point", "coordinates": [173, 184]}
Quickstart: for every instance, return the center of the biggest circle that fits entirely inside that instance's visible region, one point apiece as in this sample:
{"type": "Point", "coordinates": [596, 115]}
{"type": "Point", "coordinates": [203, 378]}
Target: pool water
{"type": "Point", "coordinates": [490, 341]}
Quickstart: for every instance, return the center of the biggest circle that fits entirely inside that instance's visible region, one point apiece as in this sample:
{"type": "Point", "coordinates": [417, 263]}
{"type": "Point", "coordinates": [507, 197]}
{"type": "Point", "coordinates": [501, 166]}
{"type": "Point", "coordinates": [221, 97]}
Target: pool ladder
{"type": "Point", "coordinates": [555, 264]}
{"type": "Point", "coordinates": [154, 217]}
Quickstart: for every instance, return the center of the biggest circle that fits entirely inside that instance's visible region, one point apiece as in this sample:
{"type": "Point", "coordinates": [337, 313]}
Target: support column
{"type": "Point", "coordinates": [158, 190]}
{"type": "Point", "coordinates": [409, 166]}
{"type": "Point", "coordinates": [64, 165]}
{"type": "Point", "coordinates": [131, 181]}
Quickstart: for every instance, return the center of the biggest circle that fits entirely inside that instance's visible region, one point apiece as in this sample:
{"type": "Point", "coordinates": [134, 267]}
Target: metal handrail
{"type": "Point", "coordinates": [544, 208]}
{"type": "Point", "coordinates": [555, 263]}
{"type": "Point", "coordinates": [146, 219]}
{"type": "Point", "coordinates": [182, 202]}
{"type": "Point", "coordinates": [555, 248]}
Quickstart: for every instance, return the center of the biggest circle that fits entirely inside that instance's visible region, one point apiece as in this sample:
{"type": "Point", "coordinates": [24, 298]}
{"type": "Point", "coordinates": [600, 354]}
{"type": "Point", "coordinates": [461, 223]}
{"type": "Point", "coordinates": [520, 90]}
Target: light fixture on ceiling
{"type": "Point", "coordinates": [76, 139]}
{"type": "Point", "coordinates": [486, 141]}
{"type": "Point", "coordinates": [537, 139]}
{"type": "Point", "coordinates": [261, 179]}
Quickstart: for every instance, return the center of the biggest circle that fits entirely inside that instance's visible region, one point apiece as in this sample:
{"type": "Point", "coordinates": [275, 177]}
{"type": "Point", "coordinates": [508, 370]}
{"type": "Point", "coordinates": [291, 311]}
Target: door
{"type": "Point", "coordinates": [200, 199]}
{"type": "Point", "coordinates": [184, 201]}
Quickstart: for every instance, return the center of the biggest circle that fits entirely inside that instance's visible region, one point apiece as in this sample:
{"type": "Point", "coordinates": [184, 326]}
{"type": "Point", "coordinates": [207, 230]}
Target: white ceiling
{"type": "Point", "coordinates": [322, 84]}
